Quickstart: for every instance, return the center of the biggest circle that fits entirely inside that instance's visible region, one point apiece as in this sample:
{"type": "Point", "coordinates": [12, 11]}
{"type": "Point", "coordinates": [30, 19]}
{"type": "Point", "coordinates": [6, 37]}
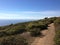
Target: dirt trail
{"type": "Point", "coordinates": [48, 37]}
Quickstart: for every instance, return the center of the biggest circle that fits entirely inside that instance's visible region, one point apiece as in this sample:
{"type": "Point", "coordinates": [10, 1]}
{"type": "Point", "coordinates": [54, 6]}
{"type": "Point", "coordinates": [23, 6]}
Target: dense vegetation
{"type": "Point", "coordinates": [57, 26]}
{"type": "Point", "coordinates": [10, 34]}
{"type": "Point", "coordinates": [13, 40]}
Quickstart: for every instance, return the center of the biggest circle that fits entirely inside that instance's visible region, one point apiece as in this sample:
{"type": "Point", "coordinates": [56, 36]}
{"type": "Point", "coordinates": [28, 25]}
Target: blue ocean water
{"type": "Point", "coordinates": [7, 22]}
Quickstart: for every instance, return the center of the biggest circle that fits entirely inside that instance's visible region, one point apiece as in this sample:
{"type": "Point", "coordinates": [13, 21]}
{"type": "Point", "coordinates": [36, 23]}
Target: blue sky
{"type": "Point", "coordinates": [29, 9]}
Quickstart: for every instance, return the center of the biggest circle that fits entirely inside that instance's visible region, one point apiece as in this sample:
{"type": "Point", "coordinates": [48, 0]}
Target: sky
{"type": "Point", "coordinates": [29, 9]}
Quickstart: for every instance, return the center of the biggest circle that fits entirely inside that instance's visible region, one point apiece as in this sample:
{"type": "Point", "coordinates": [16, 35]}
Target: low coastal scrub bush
{"type": "Point", "coordinates": [12, 31]}
{"type": "Point", "coordinates": [13, 40]}
{"type": "Point", "coordinates": [36, 28]}
{"type": "Point", "coordinates": [35, 32]}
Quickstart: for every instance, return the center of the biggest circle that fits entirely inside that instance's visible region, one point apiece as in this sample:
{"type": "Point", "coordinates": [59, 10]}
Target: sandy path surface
{"type": "Point", "coordinates": [48, 37]}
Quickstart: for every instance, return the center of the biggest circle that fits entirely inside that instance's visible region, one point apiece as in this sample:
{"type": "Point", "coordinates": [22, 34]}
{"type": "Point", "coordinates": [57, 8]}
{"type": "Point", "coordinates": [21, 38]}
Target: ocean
{"type": "Point", "coordinates": [7, 22]}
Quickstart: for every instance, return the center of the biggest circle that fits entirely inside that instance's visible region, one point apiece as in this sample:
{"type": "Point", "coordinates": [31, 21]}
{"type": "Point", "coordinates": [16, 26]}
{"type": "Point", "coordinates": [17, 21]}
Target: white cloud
{"type": "Point", "coordinates": [29, 15]}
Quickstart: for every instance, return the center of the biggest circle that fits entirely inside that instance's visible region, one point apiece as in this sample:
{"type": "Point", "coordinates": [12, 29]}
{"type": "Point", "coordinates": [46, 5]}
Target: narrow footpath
{"type": "Point", "coordinates": [48, 38]}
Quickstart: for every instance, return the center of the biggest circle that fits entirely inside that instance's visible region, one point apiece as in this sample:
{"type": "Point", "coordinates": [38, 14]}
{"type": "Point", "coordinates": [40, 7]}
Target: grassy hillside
{"type": "Point", "coordinates": [57, 26]}
{"type": "Point", "coordinates": [11, 34]}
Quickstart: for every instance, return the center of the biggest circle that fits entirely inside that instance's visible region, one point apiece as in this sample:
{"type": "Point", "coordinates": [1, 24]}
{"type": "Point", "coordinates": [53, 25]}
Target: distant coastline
{"type": "Point", "coordinates": [8, 22]}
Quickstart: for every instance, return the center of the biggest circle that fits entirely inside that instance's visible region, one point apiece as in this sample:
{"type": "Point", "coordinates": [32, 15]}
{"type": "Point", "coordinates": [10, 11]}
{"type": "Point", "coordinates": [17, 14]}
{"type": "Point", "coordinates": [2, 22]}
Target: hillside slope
{"type": "Point", "coordinates": [41, 32]}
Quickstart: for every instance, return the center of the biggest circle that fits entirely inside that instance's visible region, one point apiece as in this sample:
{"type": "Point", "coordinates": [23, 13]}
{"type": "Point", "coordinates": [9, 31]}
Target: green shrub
{"type": "Point", "coordinates": [35, 32]}
{"type": "Point", "coordinates": [40, 25]}
{"type": "Point", "coordinates": [13, 40]}
{"type": "Point", "coordinates": [12, 31]}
